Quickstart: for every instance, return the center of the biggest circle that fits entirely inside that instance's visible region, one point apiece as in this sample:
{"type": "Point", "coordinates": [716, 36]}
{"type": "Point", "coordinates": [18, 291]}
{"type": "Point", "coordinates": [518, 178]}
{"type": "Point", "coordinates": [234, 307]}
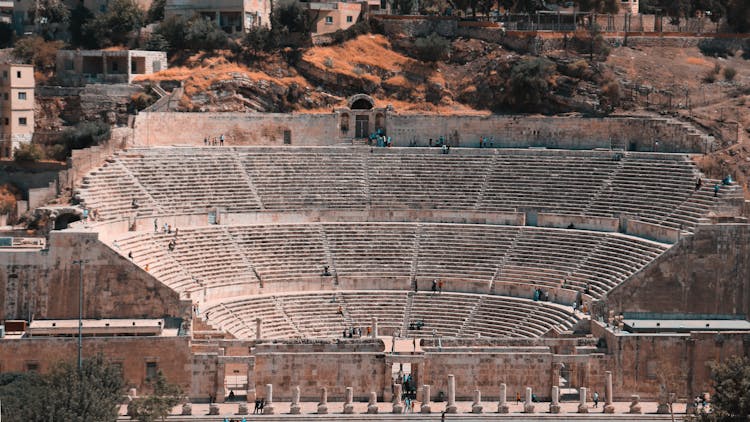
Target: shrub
{"type": "Point", "coordinates": [713, 47]}
{"type": "Point", "coordinates": [729, 73]}
{"type": "Point", "coordinates": [192, 34]}
{"type": "Point", "coordinates": [328, 62]}
{"type": "Point", "coordinates": [578, 68]}
{"type": "Point", "coordinates": [432, 48]}
{"type": "Point", "coordinates": [35, 50]}
{"type": "Point", "coordinates": [611, 95]}
{"type": "Point", "coordinates": [709, 77]}
{"type": "Point", "coordinates": [116, 26]}
{"type": "Point", "coordinates": [530, 82]}
{"type": "Point", "coordinates": [27, 153]}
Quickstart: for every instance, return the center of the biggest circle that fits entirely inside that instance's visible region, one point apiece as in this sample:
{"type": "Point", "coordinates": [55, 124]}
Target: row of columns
{"type": "Point", "coordinates": [450, 407]}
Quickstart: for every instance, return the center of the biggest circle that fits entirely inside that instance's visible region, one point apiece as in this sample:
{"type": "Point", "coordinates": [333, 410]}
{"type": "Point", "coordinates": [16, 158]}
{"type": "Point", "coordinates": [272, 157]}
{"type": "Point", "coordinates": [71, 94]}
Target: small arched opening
{"type": "Point", "coordinates": [361, 102]}
{"type": "Point", "coordinates": [344, 123]}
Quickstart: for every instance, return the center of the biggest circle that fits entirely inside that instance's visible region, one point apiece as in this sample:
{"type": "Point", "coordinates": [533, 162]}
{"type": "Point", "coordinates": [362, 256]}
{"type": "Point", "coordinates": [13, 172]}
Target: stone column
{"type": "Point", "coordinates": [220, 376]}
{"type": "Point", "coordinates": [398, 406]}
{"type": "Point", "coordinates": [528, 406]}
{"type": "Point", "coordinates": [294, 408]}
{"type": "Point", "coordinates": [451, 406]}
{"type": "Point", "coordinates": [477, 407]}
{"type": "Point", "coordinates": [268, 408]}
{"type": "Point", "coordinates": [608, 407]}
{"type": "Point", "coordinates": [323, 405]}
{"type": "Point", "coordinates": [582, 406]}
{"type": "Point", "coordinates": [425, 400]}
{"type": "Point", "coordinates": [372, 405]}
{"type": "Point", "coordinates": [258, 328]}
{"type": "Point", "coordinates": [349, 403]}
{"type": "Point", "coordinates": [635, 406]}
{"type": "Point", "coordinates": [502, 406]}
{"type": "Point", "coordinates": [554, 406]}
{"type": "Point", "coordinates": [374, 327]}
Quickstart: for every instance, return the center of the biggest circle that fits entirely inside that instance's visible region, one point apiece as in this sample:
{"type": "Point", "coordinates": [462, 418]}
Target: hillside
{"type": "Point", "coordinates": [475, 78]}
{"type": "Point", "coordinates": [483, 77]}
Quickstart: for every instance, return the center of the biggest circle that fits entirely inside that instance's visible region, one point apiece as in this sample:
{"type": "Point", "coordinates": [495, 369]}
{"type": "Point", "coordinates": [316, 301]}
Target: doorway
{"type": "Point", "coordinates": [362, 126]}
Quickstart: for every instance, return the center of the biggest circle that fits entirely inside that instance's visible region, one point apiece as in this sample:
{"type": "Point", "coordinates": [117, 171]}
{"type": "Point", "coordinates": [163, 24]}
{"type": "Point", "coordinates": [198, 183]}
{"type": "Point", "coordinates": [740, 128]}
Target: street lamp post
{"type": "Point", "coordinates": [80, 263]}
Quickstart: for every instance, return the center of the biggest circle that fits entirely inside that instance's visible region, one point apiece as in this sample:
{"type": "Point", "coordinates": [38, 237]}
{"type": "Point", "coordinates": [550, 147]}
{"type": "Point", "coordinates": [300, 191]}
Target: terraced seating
{"type": "Point", "coordinates": [449, 314]}
{"type": "Point", "coordinates": [217, 256]}
{"type": "Point", "coordinates": [422, 180]}
{"type": "Point", "coordinates": [282, 252]}
{"type": "Point", "coordinates": [658, 188]}
{"type": "Point", "coordinates": [372, 250]}
{"type": "Point", "coordinates": [308, 178]}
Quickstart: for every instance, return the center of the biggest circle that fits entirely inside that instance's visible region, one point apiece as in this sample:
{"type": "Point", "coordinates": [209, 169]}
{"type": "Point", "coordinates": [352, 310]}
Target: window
{"type": "Point", "coordinates": [5, 74]}
{"type": "Point", "coordinates": [22, 121]}
{"type": "Point", "coordinates": [329, 20]}
{"type": "Point", "coordinates": [32, 366]}
{"type": "Point", "coordinates": [349, 19]}
{"type": "Point", "coordinates": [7, 121]}
{"type": "Point", "coordinates": [21, 95]}
{"type": "Point", "coordinates": [151, 370]}
{"type": "Point", "coordinates": [68, 64]}
{"type": "Point", "coordinates": [5, 96]}
{"type": "Point", "coordinates": [18, 74]}
{"type": "Point", "coordinates": [115, 67]}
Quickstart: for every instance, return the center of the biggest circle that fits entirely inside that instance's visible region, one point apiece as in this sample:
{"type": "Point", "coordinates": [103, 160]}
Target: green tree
{"type": "Point", "coordinates": [156, 406]}
{"type": "Point", "coordinates": [432, 48]}
{"type": "Point", "coordinates": [157, 42]}
{"type": "Point", "coordinates": [35, 50]}
{"type": "Point", "coordinates": [192, 34]}
{"type": "Point", "coordinates": [530, 82]}
{"type": "Point", "coordinates": [50, 11]}
{"type": "Point", "coordinates": [65, 394]}
{"type": "Point", "coordinates": [117, 25]}
{"type": "Point", "coordinates": [79, 17]}
{"type": "Point", "coordinates": [731, 382]}
{"type": "Point", "coordinates": [156, 11]}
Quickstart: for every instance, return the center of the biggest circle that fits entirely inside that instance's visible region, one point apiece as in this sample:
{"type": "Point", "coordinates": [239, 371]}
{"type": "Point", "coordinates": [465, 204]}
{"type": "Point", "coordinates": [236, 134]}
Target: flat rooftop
{"type": "Point", "coordinates": [684, 325]}
{"type": "Point", "coordinates": [100, 327]}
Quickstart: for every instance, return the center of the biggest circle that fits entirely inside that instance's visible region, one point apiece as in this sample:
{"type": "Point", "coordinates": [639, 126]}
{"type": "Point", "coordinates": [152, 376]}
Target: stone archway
{"type": "Point", "coordinates": [361, 102]}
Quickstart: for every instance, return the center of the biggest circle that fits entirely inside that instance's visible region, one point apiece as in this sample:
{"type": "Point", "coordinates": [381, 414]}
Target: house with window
{"type": "Point", "coordinates": [17, 111]}
{"type": "Point", "coordinates": [333, 16]}
{"type": "Point", "coordinates": [232, 16]}
{"type": "Point", "coordinates": [80, 67]}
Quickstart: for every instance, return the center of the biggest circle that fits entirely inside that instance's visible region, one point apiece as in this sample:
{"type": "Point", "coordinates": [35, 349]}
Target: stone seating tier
{"type": "Point", "coordinates": [657, 188]}
{"type": "Point", "coordinates": [316, 315]}
{"type": "Point", "coordinates": [391, 256]}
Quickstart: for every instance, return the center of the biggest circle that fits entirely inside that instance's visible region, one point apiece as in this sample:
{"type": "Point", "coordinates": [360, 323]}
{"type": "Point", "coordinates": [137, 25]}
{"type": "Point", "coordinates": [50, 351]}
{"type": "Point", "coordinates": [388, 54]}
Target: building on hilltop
{"type": "Point", "coordinates": [629, 6]}
{"type": "Point", "coordinates": [17, 111]}
{"type": "Point", "coordinates": [79, 67]}
{"type": "Point", "coordinates": [332, 16]}
{"type": "Point", "coordinates": [231, 15]}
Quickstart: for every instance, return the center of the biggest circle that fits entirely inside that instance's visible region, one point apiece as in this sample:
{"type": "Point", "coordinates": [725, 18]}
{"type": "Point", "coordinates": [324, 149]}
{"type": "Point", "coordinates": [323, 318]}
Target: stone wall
{"type": "Point", "coordinates": [313, 365]}
{"type": "Point", "coordinates": [157, 128]}
{"type": "Point", "coordinates": [706, 273]}
{"type": "Point", "coordinates": [171, 355]}
{"type": "Point", "coordinates": [44, 284]}
{"type": "Point", "coordinates": [643, 361]}
{"type": "Point", "coordinates": [631, 133]}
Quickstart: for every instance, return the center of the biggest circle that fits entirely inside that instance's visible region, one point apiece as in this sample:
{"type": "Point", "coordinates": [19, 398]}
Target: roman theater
{"type": "Point", "coordinates": [481, 258]}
